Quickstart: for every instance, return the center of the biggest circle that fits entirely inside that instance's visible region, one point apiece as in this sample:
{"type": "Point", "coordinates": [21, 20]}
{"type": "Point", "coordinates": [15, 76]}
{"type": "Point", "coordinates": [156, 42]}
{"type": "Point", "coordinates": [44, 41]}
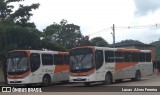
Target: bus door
{"type": "Point", "coordinates": [100, 69]}
{"type": "Point", "coordinates": [35, 65]}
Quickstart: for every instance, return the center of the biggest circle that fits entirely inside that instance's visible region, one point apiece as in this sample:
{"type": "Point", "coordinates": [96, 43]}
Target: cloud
{"type": "Point", "coordinates": [146, 6]}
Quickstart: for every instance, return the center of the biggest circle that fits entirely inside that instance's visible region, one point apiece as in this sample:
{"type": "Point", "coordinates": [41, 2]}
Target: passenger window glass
{"type": "Point", "coordinates": [148, 57]}
{"type": "Point", "coordinates": [142, 57]}
{"type": "Point", "coordinates": [127, 57]}
{"type": "Point", "coordinates": [119, 57]}
{"type": "Point", "coordinates": [58, 59]}
{"type": "Point", "coordinates": [135, 57]}
{"type": "Point", "coordinates": [109, 56]}
{"type": "Point", "coordinates": [47, 59]}
{"type": "Point", "coordinates": [66, 59]}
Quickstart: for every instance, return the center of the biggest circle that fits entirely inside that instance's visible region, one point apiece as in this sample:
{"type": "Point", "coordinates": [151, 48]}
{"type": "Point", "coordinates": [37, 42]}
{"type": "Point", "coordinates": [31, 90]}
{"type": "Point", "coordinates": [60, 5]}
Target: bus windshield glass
{"type": "Point", "coordinates": [81, 59]}
{"type": "Point", "coordinates": [17, 62]}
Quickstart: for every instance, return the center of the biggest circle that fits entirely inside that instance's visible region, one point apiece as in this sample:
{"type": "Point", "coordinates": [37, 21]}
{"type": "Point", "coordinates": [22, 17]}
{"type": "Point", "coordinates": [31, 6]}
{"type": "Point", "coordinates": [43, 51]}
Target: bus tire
{"type": "Point", "coordinates": [137, 76]}
{"type": "Point", "coordinates": [46, 81]}
{"type": "Point", "coordinates": [108, 79]}
{"type": "Point", "coordinates": [87, 84]}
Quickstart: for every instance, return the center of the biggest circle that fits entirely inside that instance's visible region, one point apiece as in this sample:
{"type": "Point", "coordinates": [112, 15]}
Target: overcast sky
{"type": "Point", "coordinates": [94, 16]}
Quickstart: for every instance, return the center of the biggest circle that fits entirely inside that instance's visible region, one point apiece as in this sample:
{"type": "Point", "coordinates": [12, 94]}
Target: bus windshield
{"type": "Point", "coordinates": [81, 59]}
{"type": "Point", "coordinates": [17, 62]}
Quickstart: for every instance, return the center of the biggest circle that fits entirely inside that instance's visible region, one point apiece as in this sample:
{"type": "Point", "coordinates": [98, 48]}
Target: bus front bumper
{"type": "Point", "coordinates": [25, 80]}
{"type": "Point", "coordinates": [90, 78]}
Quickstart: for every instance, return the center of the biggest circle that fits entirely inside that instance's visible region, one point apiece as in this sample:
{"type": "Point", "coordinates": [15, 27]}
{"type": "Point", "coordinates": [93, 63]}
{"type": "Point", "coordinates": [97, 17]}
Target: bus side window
{"type": "Point", "coordinates": [109, 56]}
{"type": "Point", "coordinates": [148, 57]}
{"type": "Point", "coordinates": [47, 59]}
{"type": "Point", "coordinates": [34, 61]}
{"type": "Point", "coordinates": [99, 59]}
{"type": "Point", "coordinates": [119, 56]}
{"type": "Point", "coordinates": [66, 59]}
{"type": "Point", "coordinates": [127, 57]}
{"type": "Point", "coordinates": [58, 59]}
{"type": "Point", "coordinates": [142, 57]}
{"type": "Point", "coordinates": [135, 57]}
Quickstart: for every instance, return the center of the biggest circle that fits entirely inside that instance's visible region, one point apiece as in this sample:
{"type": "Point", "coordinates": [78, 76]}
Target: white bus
{"type": "Point", "coordinates": [34, 66]}
{"type": "Point", "coordinates": [90, 64]}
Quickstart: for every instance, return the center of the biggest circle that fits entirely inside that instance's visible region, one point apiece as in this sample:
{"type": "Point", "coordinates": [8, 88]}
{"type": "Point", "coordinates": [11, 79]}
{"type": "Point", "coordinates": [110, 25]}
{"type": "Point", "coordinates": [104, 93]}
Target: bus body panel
{"type": "Point", "coordinates": [119, 70]}
{"type": "Point", "coordinates": [37, 76]}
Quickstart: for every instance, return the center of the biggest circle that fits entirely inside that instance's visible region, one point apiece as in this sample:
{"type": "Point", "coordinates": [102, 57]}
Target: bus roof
{"type": "Point", "coordinates": [114, 49]}
{"type": "Point", "coordinates": [42, 51]}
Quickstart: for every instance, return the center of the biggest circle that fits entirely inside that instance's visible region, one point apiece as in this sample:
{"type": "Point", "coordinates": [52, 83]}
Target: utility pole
{"type": "Point", "coordinates": [113, 36]}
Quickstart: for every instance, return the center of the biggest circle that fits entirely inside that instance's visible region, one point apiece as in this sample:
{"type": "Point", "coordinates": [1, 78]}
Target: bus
{"type": "Point", "coordinates": [89, 64]}
{"type": "Point", "coordinates": [35, 66]}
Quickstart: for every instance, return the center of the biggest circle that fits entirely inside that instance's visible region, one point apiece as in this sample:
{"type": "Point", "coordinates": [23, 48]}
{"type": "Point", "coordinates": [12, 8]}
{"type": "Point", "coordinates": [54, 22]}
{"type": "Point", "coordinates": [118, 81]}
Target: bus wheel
{"type": "Point", "coordinates": [137, 76]}
{"type": "Point", "coordinates": [46, 80]}
{"type": "Point", "coordinates": [108, 79]}
{"type": "Point", "coordinates": [87, 84]}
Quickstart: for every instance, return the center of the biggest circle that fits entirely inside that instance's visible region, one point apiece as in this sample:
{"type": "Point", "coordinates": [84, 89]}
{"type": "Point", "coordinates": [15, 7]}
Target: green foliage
{"type": "Point", "coordinates": [20, 16]}
{"type": "Point", "coordinates": [128, 42]}
{"type": "Point", "coordinates": [17, 37]}
{"type": "Point", "coordinates": [99, 41]}
{"type": "Point", "coordinates": [67, 35]}
{"type": "Point", "coordinates": [5, 9]}
{"type": "Point", "coordinates": [16, 32]}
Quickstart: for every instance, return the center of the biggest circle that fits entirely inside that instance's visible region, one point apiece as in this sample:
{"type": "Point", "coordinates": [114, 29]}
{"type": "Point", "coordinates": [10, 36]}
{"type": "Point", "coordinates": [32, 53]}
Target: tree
{"type": "Point", "coordinates": [128, 42]}
{"type": "Point", "coordinates": [12, 35]}
{"type": "Point", "coordinates": [16, 32]}
{"type": "Point", "coordinates": [85, 41]}
{"type": "Point", "coordinates": [67, 35]}
{"type": "Point", "coordinates": [99, 41]}
{"type": "Point", "coordinates": [20, 16]}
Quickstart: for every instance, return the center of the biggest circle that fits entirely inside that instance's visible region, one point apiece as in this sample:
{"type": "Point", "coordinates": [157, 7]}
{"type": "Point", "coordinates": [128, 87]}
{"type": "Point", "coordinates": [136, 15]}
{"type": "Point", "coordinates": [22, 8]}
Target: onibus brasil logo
{"type": "Point", "coordinates": [15, 89]}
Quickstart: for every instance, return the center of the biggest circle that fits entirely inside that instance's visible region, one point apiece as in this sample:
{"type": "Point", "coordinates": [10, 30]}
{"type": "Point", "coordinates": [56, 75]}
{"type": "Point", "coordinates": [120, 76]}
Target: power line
{"type": "Point", "coordinates": [128, 27]}
{"type": "Point", "coordinates": [99, 31]}
{"type": "Point", "coordinates": [136, 27]}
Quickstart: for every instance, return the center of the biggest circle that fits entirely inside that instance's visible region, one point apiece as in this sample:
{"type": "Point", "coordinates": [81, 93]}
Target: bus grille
{"type": "Point", "coordinates": [15, 81]}
{"type": "Point", "coordinates": [79, 79]}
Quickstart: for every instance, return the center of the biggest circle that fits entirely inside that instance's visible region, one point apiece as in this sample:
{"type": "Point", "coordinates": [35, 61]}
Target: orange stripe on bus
{"type": "Point", "coordinates": [82, 73]}
{"type": "Point", "coordinates": [19, 76]}
{"type": "Point", "coordinates": [63, 53]}
{"type": "Point", "coordinates": [122, 65]}
{"type": "Point", "coordinates": [128, 50]}
{"type": "Point", "coordinates": [85, 47]}
{"type": "Point", "coordinates": [60, 68]}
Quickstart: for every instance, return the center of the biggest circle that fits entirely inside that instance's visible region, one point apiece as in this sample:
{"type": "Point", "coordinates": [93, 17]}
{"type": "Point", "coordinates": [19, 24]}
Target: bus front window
{"type": "Point", "coordinates": [17, 63]}
{"type": "Point", "coordinates": [81, 59]}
